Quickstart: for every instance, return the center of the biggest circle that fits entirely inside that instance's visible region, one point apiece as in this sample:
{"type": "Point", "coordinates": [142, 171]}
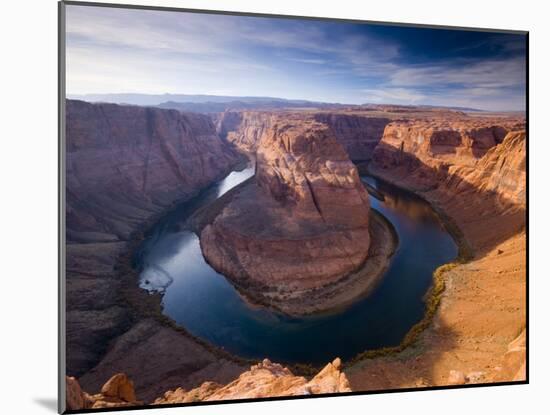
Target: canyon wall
{"type": "Point", "coordinates": [124, 166]}
{"type": "Point", "coordinates": [473, 170]}
{"type": "Point", "coordinates": [358, 133]}
{"type": "Point", "coordinates": [126, 163]}
{"type": "Point", "coordinates": [243, 129]}
{"type": "Point", "coordinates": [426, 149]}
{"type": "Point", "coordinates": [301, 224]}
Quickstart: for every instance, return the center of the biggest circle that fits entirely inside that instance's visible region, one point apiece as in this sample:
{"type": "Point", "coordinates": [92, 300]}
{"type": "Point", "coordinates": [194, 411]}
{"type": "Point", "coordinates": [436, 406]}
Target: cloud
{"type": "Point", "coordinates": [125, 50]}
{"type": "Point", "coordinates": [396, 95]}
{"type": "Point", "coordinates": [309, 61]}
{"type": "Point", "coordinates": [491, 73]}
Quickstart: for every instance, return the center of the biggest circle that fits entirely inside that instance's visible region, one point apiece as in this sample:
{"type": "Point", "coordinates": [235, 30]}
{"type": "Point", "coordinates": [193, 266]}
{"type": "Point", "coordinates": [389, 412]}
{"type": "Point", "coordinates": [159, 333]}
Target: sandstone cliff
{"type": "Point", "coordinates": [243, 129]}
{"type": "Point", "coordinates": [301, 225]}
{"type": "Point", "coordinates": [125, 165]}
{"type": "Point", "coordinates": [358, 133]}
{"type": "Point", "coordinates": [264, 380]}
{"type": "Point", "coordinates": [425, 150]}
{"type": "Point", "coordinates": [473, 171]}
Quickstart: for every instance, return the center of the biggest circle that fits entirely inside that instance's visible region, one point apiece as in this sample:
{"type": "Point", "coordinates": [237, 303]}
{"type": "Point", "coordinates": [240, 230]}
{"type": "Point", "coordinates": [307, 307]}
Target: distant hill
{"type": "Point", "coordinates": [463, 109]}
{"type": "Point", "coordinates": [200, 103]}
{"type": "Point", "coordinates": [210, 107]}
{"type": "Point", "coordinates": [220, 103]}
{"type": "Point", "coordinates": [410, 108]}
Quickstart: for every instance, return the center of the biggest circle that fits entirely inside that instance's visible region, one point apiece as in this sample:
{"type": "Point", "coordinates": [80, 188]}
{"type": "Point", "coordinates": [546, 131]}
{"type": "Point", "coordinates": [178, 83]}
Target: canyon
{"type": "Point", "coordinates": [129, 165]}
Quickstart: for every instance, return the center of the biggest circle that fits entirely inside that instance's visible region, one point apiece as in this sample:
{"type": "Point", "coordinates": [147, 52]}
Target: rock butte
{"type": "Point", "coordinates": [301, 225]}
{"type": "Point", "coordinates": [127, 165]}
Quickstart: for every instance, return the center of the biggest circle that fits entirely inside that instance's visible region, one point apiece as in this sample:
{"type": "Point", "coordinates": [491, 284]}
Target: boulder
{"type": "Point", "coordinates": [119, 386]}
{"type": "Point", "coordinates": [456, 378]}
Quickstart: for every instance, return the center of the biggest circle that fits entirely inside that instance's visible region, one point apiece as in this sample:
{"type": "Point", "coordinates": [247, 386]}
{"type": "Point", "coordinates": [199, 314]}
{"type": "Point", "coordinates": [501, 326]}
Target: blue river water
{"type": "Point", "coordinates": [207, 305]}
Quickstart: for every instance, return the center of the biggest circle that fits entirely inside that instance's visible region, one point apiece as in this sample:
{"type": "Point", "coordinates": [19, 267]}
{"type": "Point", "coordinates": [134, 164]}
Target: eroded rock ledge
{"type": "Point", "coordinates": [301, 226]}
{"type": "Point", "coordinates": [263, 380]}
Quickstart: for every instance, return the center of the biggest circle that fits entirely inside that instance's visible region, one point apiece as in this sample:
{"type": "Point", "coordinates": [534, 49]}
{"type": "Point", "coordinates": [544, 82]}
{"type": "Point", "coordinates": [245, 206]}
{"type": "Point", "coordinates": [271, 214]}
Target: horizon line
{"type": "Point", "coordinates": [72, 95]}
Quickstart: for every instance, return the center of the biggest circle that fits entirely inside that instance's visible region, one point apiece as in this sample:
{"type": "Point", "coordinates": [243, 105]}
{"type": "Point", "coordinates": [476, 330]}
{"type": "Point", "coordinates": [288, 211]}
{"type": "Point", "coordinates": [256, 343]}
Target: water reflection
{"type": "Point", "coordinates": [403, 202]}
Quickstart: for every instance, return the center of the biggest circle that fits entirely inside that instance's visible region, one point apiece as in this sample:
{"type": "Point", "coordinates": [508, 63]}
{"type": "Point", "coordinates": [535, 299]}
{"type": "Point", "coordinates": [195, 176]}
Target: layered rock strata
{"type": "Point", "coordinates": [477, 180]}
{"type": "Point", "coordinates": [358, 133]}
{"type": "Point", "coordinates": [483, 190]}
{"type": "Point", "coordinates": [266, 379]}
{"type": "Point", "coordinates": [126, 163]}
{"type": "Point", "coordinates": [425, 150]}
{"type": "Point", "coordinates": [243, 129]}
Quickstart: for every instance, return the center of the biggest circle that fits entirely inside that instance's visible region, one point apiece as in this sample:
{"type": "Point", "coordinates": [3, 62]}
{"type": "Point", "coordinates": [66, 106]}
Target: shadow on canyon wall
{"type": "Point", "coordinates": [482, 205]}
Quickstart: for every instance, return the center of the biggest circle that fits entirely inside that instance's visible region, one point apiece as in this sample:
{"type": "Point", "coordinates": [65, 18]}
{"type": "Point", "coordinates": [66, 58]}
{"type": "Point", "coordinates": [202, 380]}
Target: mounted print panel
{"type": "Point", "coordinates": [263, 207]}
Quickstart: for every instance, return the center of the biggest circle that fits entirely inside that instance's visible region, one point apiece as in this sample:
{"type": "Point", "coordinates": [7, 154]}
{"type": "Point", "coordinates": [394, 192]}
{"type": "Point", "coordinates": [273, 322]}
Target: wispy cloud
{"type": "Point", "coordinates": [123, 50]}
{"type": "Point", "coordinates": [397, 95]}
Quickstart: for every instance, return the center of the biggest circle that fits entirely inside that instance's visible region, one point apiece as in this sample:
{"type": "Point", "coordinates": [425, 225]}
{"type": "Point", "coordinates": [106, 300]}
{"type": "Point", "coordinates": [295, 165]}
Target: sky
{"type": "Point", "coordinates": [112, 50]}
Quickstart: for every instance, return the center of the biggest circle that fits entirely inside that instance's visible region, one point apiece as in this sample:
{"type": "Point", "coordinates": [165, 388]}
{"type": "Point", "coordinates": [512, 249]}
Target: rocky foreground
{"type": "Point", "coordinates": [266, 379]}
{"type": "Point", "coordinates": [301, 226]}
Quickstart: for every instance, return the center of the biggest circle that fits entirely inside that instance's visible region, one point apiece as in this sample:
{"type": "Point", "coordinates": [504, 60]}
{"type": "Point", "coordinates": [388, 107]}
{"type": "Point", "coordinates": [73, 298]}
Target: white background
{"type": "Point", "coordinates": [28, 203]}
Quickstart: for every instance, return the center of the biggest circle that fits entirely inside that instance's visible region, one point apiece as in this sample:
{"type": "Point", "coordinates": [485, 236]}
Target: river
{"type": "Point", "coordinates": [206, 304]}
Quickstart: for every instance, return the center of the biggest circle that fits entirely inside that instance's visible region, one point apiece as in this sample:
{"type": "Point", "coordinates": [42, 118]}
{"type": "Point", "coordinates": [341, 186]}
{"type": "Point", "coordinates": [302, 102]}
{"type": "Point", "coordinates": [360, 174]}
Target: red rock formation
{"type": "Point", "coordinates": [425, 150]}
{"type": "Point", "coordinates": [484, 193]}
{"type": "Point", "coordinates": [501, 171]}
{"type": "Point", "coordinates": [358, 133]}
{"type": "Point", "coordinates": [481, 194]}
{"type": "Point", "coordinates": [117, 392]}
{"type": "Point", "coordinates": [264, 380]}
{"type": "Point", "coordinates": [303, 224]}
{"type": "Point", "coordinates": [126, 163]}
{"type": "Point", "coordinates": [76, 398]}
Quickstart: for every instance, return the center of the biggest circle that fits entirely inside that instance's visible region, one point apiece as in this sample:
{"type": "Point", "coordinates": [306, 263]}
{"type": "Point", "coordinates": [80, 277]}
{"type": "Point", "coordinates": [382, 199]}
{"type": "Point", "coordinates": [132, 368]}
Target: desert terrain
{"type": "Point", "coordinates": [299, 237]}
